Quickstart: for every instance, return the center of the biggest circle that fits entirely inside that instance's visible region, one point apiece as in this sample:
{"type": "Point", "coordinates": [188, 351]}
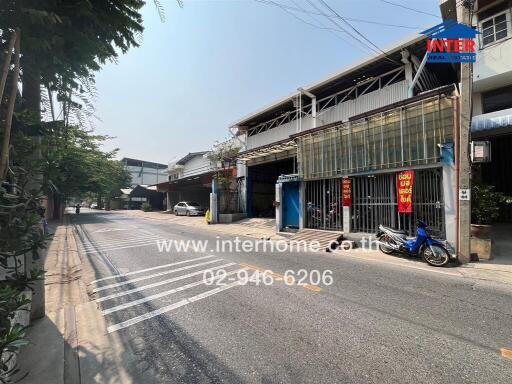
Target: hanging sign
{"type": "Point", "coordinates": [404, 183]}
{"type": "Point", "coordinates": [346, 188]}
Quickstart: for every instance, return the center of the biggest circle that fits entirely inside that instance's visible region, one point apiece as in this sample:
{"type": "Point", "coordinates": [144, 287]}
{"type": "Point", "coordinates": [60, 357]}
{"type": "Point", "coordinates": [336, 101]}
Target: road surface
{"type": "Point", "coordinates": [376, 323]}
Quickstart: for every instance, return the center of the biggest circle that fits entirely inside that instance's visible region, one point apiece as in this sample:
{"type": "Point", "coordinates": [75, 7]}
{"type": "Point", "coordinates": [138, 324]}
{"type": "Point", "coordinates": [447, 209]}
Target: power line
{"type": "Point", "coordinates": [343, 29]}
{"type": "Point", "coordinates": [350, 25]}
{"type": "Point", "coordinates": [410, 9]}
{"type": "Point", "coordinates": [321, 26]}
{"type": "Point", "coordinates": [302, 10]}
{"type": "Point", "coordinates": [355, 30]}
{"type": "Point", "coordinates": [330, 29]}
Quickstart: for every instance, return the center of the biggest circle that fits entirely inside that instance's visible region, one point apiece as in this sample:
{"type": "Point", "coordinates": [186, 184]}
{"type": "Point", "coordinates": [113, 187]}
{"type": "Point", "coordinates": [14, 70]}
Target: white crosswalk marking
{"type": "Point", "coordinates": [125, 247]}
{"type": "Point", "coordinates": [167, 293]}
{"type": "Point", "coordinates": [152, 268]}
{"type": "Point", "coordinates": [117, 241]}
{"type": "Point", "coordinates": [102, 288]}
{"type": "Point", "coordinates": [160, 311]}
{"type": "Point", "coordinates": [159, 283]}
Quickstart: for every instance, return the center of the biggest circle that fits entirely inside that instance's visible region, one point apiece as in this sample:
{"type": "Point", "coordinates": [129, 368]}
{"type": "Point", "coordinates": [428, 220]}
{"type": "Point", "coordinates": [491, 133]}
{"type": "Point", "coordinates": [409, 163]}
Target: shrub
{"type": "Point", "coordinates": [146, 207]}
{"type": "Point", "coordinates": [485, 205]}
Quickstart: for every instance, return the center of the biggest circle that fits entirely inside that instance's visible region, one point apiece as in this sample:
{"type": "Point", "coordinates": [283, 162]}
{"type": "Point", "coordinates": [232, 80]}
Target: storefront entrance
{"type": "Point", "coordinates": [291, 205]}
{"type": "Point", "coordinates": [261, 186]}
{"type": "Point", "coordinates": [323, 204]}
{"type": "Point", "coordinates": [375, 202]}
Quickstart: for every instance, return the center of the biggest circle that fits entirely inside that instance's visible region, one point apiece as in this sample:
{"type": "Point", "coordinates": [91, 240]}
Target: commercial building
{"type": "Point", "coordinates": [145, 172]}
{"type": "Point", "coordinates": [365, 124]}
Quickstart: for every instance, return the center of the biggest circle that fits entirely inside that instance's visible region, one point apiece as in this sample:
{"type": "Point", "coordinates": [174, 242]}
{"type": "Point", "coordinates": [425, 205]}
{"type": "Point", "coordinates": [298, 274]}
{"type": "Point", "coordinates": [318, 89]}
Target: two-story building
{"type": "Point", "coordinates": [492, 93]}
{"type": "Point", "coordinates": [364, 124]}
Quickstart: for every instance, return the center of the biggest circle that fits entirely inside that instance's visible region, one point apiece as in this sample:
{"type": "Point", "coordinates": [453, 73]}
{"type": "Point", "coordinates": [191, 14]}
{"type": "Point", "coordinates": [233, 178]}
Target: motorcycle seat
{"type": "Point", "coordinates": [397, 231]}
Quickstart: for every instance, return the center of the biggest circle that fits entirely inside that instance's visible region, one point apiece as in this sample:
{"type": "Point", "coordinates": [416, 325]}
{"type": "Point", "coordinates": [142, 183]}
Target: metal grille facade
{"type": "Point", "coordinates": [401, 137]}
{"type": "Point", "coordinates": [375, 202]}
{"type": "Point", "coordinates": [323, 204]}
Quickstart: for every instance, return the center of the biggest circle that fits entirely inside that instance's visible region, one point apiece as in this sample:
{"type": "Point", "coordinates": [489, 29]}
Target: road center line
{"type": "Point", "coordinates": [153, 275]}
{"type": "Point", "coordinates": [167, 293]}
{"type": "Point", "coordinates": [506, 353]}
{"type": "Point", "coordinates": [159, 283]}
{"type": "Point", "coordinates": [160, 311]}
{"type": "Point", "coordinates": [152, 268]}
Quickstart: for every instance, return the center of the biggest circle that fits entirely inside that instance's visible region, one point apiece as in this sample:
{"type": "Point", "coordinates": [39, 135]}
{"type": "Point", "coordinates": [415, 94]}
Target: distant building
{"type": "Point", "coordinates": [145, 172]}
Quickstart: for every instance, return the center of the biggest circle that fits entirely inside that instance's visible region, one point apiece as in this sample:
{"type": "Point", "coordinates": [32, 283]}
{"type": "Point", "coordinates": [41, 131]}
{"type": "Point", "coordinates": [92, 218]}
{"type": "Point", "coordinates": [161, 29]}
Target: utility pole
{"type": "Point", "coordinates": [464, 165]}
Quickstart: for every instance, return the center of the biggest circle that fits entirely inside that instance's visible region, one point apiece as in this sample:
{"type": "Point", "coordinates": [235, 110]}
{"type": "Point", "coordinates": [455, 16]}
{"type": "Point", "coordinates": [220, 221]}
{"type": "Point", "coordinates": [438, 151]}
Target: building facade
{"type": "Point", "coordinates": [328, 156]}
{"type": "Point", "coordinates": [145, 172]}
{"type": "Point", "coordinates": [492, 95]}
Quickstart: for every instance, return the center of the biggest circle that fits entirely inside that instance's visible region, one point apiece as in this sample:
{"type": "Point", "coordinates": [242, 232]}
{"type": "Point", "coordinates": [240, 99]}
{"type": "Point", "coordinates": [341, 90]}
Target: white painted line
{"type": "Point", "coordinates": [159, 283]}
{"type": "Point", "coordinates": [116, 248]}
{"type": "Point", "coordinates": [115, 285]}
{"type": "Point", "coordinates": [106, 247]}
{"type": "Point", "coordinates": [169, 292]}
{"type": "Point", "coordinates": [115, 241]}
{"type": "Point", "coordinates": [110, 230]}
{"type": "Point", "coordinates": [152, 268]}
{"type": "Point", "coordinates": [168, 308]}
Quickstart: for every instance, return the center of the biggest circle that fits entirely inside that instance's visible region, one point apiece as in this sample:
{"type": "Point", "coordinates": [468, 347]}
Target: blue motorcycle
{"type": "Point", "coordinates": [433, 251]}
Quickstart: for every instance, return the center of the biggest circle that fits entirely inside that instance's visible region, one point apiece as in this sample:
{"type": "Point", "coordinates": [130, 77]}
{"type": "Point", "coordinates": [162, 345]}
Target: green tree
{"type": "Point", "coordinates": [65, 41]}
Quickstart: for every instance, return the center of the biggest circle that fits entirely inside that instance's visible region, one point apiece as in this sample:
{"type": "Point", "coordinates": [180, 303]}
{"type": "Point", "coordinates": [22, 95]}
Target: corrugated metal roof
{"type": "Point", "coordinates": [315, 87]}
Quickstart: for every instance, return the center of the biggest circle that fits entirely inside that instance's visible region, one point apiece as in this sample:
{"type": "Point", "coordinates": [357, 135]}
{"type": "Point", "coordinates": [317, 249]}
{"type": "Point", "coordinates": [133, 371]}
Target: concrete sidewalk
{"type": "Point", "coordinates": [71, 343]}
{"type": "Point", "coordinates": [479, 270]}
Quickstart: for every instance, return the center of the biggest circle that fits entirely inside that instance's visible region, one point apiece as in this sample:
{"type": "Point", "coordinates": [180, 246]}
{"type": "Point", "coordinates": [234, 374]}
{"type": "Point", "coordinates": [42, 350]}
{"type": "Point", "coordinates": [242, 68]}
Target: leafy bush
{"type": "Point", "coordinates": [21, 237]}
{"type": "Point", "coordinates": [146, 207]}
{"type": "Point", "coordinates": [485, 205]}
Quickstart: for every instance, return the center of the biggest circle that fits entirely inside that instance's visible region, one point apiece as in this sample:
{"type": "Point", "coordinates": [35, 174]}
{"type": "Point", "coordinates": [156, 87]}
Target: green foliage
{"type": "Point", "coordinates": [75, 164]}
{"type": "Point", "coordinates": [12, 335]}
{"type": "Point", "coordinates": [146, 207]}
{"type": "Point", "coordinates": [485, 204]}
{"type": "Point", "coordinates": [66, 41]}
{"type": "Point", "coordinates": [224, 154]}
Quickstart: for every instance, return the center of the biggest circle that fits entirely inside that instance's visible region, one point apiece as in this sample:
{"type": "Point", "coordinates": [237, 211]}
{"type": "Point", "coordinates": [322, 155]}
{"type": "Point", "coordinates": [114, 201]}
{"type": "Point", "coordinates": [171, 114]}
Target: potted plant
{"type": "Point", "coordinates": [485, 209]}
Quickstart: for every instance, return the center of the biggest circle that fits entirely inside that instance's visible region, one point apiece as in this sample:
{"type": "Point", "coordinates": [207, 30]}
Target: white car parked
{"type": "Point", "coordinates": [189, 208]}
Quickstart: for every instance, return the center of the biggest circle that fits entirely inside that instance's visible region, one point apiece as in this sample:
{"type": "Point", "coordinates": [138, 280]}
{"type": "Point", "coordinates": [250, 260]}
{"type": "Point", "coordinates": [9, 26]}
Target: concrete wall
{"type": "Point", "coordinates": [196, 166]}
{"type": "Point", "coordinates": [493, 66]}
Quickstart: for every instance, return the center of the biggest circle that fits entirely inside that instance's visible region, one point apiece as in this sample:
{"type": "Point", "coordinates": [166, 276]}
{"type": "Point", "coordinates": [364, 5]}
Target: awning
{"type": "Point", "coordinates": [490, 122]}
{"type": "Point", "coordinates": [266, 150]}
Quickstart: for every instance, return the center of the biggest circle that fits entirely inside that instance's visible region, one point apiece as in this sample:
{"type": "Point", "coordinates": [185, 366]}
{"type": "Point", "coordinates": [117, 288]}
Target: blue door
{"type": "Point", "coordinates": [291, 205]}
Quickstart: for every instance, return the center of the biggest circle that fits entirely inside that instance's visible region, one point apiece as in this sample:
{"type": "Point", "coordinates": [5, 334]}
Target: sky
{"type": "Point", "coordinates": [213, 62]}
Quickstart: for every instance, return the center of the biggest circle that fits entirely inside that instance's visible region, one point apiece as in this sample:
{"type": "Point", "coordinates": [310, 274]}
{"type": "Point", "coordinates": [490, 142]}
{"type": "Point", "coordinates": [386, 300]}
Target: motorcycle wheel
{"type": "Point", "coordinates": [383, 248]}
{"type": "Point", "coordinates": [436, 255]}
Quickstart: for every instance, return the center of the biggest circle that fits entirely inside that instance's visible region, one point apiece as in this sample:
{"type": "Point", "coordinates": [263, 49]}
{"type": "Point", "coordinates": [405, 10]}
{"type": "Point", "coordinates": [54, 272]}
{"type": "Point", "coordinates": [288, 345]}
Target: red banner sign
{"type": "Point", "coordinates": [346, 188]}
{"type": "Point", "coordinates": [404, 183]}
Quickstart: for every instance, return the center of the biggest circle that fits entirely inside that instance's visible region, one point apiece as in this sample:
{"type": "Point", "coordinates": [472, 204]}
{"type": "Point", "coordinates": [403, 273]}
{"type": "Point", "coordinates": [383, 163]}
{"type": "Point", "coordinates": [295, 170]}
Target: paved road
{"type": "Point", "coordinates": [375, 323]}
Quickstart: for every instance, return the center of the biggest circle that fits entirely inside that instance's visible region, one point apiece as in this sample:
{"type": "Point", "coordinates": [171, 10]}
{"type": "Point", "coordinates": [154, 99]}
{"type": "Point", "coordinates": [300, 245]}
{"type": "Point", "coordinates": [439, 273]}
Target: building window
{"type": "Point", "coordinates": [495, 28]}
{"type": "Point", "coordinates": [497, 99]}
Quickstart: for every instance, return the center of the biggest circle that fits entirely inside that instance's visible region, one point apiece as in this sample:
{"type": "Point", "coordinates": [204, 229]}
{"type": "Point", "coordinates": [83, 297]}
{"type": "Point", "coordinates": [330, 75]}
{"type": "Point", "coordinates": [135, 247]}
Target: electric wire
{"type": "Point", "coordinates": [299, 8]}
{"type": "Point", "coordinates": [410, 9]}
{"type": "Point", "coordinates": [377, 49]}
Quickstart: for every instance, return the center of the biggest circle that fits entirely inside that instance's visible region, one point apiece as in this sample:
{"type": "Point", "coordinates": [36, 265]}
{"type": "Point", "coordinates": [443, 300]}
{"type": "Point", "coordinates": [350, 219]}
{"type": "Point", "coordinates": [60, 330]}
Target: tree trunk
{"type": "Point", "coordinates": [4, 162]}
{"type": "Point", "coordinates": [7, 62]}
